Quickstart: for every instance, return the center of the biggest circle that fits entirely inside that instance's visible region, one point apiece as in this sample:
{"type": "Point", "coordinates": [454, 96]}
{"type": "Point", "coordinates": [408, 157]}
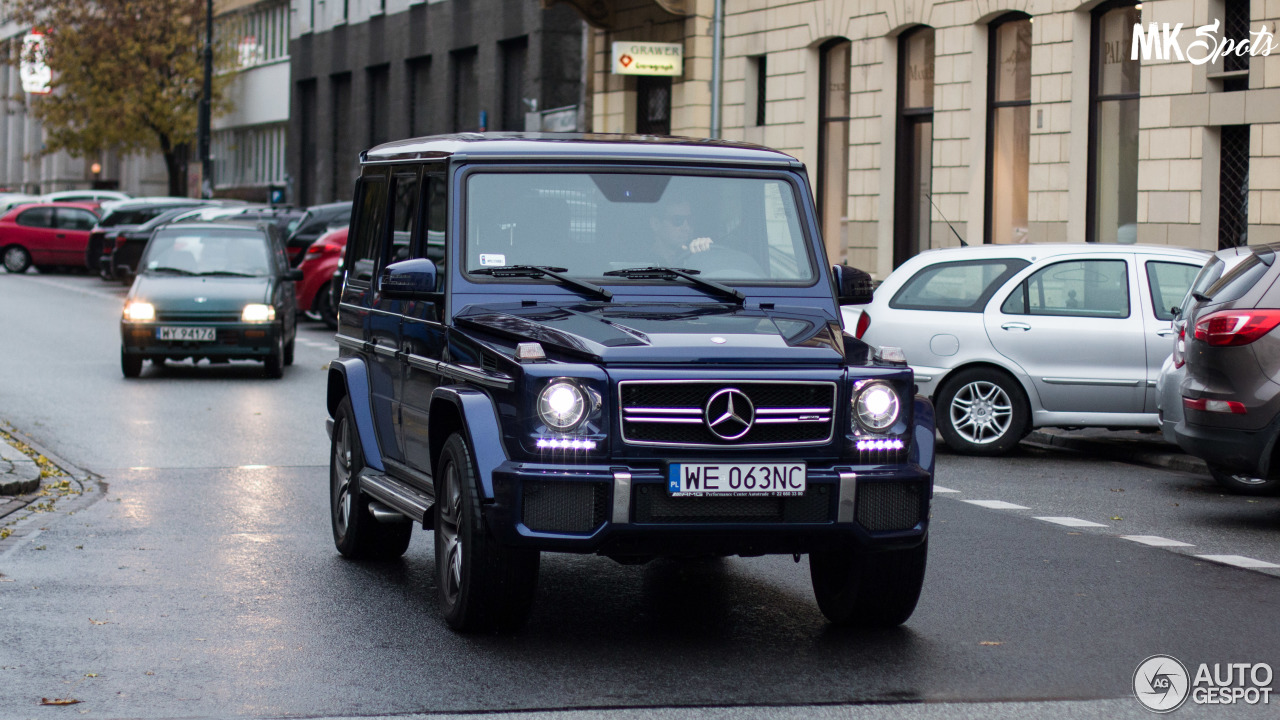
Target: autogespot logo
{"type": "Point", "coordinates": [1160, 683]}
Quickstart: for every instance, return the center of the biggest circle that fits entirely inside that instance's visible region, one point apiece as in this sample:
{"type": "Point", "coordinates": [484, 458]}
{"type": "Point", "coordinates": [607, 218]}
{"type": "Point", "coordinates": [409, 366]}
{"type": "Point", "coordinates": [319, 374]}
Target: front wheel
{"type": "Point", "coordinates": [130, 363]}
{"type": "Point", "coordinates": [16, 259]}
{"type": "Point", "coordinates": [274, 363]}
{"type": "Point", "coordinates": [857, 588]}
{"type": "Point", "coordinates": [356, 533]}
{"type": "Point", "coordinates": [982, 412]}
{"type": "Point", "coordinates": [1243, 483]}
{"type": "Point", "coordinates": [483, 586]}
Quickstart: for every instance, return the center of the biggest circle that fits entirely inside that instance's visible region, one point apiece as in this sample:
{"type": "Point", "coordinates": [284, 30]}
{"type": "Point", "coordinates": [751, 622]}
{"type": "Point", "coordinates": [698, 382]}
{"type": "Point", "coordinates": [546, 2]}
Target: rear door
{"type": "Point", "coordinates": [1074, 325]}
{"type": "Point", "coordinates": [1165, 282]}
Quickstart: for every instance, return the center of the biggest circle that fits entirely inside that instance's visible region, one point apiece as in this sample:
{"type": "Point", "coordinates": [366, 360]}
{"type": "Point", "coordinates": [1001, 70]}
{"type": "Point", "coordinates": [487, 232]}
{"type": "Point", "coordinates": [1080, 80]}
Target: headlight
{"type": "Point", "coordinates": [139, 312]}
{"type": "Point", "coordinates": [258, 313]}
{"type": "Point", "coordinates": [562, 405]}
{"type": "Point", "coordinates": [876, 406]}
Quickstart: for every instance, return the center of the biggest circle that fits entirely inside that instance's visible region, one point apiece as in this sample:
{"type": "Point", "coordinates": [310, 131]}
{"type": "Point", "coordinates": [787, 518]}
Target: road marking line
{"type": "Point", "coordinates": [996, 505]}
{"type": "Point", "coordinates": [940, 489]}
{"type": "Point", "coordinates": [1155, 541]}
{"type": "Point", "coordinates": [1238, 561]}
{"type": "Point", "coordinates": [1071, 522]}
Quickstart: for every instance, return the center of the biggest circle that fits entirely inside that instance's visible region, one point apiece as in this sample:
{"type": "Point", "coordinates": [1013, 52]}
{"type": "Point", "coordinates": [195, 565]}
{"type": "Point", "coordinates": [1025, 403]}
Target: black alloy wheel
{"type": "Point", "coordinates": [356, 533]}
{"type": "Point", "coordinates": [859, 588]}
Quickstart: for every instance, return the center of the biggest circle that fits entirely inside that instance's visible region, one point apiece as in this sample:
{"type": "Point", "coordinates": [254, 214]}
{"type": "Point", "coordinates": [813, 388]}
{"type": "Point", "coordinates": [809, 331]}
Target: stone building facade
{"type": "Point", "coordinates": [922, 121]}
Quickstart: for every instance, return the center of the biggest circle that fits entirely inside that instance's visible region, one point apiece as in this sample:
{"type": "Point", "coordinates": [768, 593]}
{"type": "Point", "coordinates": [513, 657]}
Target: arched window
{"type": "Point", "coordinates": [833, 143]}
{"type": "Point", "coordinates": [1113, 124]}
{"type": "Point", "coordinates": [914, 185]}
{"type": "Point", "coordinates": [1008, 128]}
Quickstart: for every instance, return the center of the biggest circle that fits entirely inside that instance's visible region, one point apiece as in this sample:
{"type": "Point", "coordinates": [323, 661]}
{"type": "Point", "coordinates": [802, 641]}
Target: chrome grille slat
{"type": "Point", "coordinates": [651, 411]}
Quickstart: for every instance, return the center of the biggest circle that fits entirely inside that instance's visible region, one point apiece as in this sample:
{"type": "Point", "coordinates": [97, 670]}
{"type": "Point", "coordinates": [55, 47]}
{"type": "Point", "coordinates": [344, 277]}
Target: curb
{"type": "Point", "coordinates": [1120, 450]}
{"type": "Point", "coordinates": [64, 494]}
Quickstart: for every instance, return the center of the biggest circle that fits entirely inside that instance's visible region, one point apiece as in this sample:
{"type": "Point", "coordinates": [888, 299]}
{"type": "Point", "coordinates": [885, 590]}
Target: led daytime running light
{"type": "Point", "coordinates": [565, 444]}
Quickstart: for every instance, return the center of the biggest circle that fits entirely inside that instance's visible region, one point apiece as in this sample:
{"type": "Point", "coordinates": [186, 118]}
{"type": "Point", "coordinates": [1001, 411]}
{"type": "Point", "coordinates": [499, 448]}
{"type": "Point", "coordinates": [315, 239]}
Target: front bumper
{"type": "Point", "coordinates": [234, 341]}
{"type": "Point", "coordinates": [623, 511]}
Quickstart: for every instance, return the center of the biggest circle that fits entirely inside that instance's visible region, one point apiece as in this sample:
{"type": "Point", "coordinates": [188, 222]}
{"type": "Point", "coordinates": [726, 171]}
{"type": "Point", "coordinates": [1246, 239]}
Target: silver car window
{"type": "Point", "coordinates": [1168, 281]}
{"type": "Point", "coordinates": [956, 286]}
{"type": "Point", "coordinates": [1075, 288]}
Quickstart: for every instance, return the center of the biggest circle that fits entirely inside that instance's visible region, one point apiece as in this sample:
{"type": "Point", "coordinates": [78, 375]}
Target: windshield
{"type": "Point", "coordinates": [743, 229]}
{"type": "Point", "coordinates": [212, 252]}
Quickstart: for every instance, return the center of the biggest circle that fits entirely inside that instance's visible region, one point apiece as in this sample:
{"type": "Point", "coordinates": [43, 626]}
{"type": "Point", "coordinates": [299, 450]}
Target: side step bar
{"type": "Point", "coordinates": [398, 496]}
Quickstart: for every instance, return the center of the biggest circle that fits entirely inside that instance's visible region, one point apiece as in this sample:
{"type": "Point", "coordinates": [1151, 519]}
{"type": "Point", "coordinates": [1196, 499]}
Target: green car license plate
{"type": "Point", "coordinates": [187, 334]}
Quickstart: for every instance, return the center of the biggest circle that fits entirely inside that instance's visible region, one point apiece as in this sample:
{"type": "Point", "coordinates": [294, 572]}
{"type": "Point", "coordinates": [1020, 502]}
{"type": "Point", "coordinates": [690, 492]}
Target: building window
{"type": "Point", "coordinates": [307, 188]}
{"type": "Point", "coordinates": [1008, 129]}
{"type": "Point", "coordinates": [833, 143]}
{"type": "Point", "coordinates": [378, 79]}
{"type": "Point", "coordinates": [249, 156]}
{"type": "Point", "coordinates": [259, 34]}
{"type": "Point", "coordinates": [342, 140]}
{"type": "Point", "coordinates": [420, 96]}
{"type": "Point", "coordinates": [756, 98]}
{"type": "Point", "coordinates": [1234, 68]}
{"type": "Point", "coordinates": [514, 53]}
{"type": "Point", "coordinates": [914, 183]}
{"type": "Point", "coordinates": [466, 106]}
{"type": "Point", "coordinates": [653, 105]}
{"type": "Point", "coordinates": [1113, 125]}
{"type": "Point", "coordinates": [1233, 187]}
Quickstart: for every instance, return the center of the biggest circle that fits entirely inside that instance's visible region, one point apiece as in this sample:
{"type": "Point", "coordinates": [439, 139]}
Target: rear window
{"type": "Point", "coordinates": [1239, 280]}
{"type": "Point", "coordinates": [957, 286]}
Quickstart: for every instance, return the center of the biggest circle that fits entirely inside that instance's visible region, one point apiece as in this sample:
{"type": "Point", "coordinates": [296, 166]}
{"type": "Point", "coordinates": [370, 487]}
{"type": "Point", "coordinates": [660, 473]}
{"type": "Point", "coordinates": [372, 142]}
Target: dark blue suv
{"type": "Point", "coordinates": [628, 346]}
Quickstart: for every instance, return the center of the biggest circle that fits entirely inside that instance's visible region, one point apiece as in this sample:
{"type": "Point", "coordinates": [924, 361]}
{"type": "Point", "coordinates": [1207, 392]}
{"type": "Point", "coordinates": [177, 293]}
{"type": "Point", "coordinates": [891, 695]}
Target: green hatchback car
{"type": "Point", "coordinates": [214, 291]}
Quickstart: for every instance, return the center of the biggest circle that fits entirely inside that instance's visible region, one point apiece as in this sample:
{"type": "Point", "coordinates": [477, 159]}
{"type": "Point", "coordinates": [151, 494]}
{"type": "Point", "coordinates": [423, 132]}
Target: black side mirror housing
{"type": "Point", "coordinates": [853, 286]}
{"type": "Point", "coordinates": [293, 274]}
{"type": "Point", "coordinates": [408, 280]}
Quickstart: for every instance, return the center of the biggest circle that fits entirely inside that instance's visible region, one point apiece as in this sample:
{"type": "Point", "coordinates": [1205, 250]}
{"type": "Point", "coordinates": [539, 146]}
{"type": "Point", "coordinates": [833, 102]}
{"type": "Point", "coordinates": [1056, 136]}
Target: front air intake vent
{"type": "Point", "coordinates": [888, 506]}
{"type": "Point", "coordinates": [565, 507]}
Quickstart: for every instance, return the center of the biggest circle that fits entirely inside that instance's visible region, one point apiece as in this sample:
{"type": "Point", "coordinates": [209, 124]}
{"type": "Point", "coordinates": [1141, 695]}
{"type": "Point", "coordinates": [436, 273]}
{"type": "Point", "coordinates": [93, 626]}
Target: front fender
{"type": "Point", "coordinates": [925, 435]}
{"type": "Point", "coordinates": [477, 419]}
{"type": "Point", "coordinates": [349, 377]}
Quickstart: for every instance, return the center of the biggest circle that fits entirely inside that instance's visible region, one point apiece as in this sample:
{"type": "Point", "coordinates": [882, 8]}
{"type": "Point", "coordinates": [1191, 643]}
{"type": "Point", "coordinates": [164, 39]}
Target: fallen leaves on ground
{"type": "Point", "coordinates": [991, 643]}
{"type": "Point", "coordinates": [99, 622]}
{"type": "Point", "coordinates": [59, 701]}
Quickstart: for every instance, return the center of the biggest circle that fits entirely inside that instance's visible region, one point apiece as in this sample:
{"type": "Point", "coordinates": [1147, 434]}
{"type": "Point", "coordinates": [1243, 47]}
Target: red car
{"type": "Point", "coordinates": [318, 264]}
{"type": "Point", "coordinates": [46, 235]}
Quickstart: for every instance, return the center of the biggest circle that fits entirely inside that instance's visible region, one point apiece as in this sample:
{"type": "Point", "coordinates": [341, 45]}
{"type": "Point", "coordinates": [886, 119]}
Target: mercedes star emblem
{"type": "Point", "coordinates": [729, 414]}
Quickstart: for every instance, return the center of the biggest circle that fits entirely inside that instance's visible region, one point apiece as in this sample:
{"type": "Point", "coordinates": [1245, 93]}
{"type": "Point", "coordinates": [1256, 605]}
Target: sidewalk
{"type": "Point", "coordinates": [32, 481]}
{"type": "Point", "coordinates": [1131, 446]}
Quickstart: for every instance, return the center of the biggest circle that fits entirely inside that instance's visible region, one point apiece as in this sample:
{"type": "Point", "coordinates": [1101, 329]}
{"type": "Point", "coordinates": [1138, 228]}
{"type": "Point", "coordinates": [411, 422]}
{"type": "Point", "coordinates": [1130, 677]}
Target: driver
{"type": "Point", "coordinates": [673, 238]}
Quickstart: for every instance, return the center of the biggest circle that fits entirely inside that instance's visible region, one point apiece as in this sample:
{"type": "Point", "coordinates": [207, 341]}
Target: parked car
{"type": "Point", "coordinates": [9, 201]}
{"type": "Point", "coordinates": [1230, 395]}
{"type": "Point", "coordinates": [1169, 384]}
{"type": "Point", "coordinates": [47, 235]}
{"type": "Point", "coordinates": [318, 266]}
{"type": "Point", "coordinates": [1007, 338]}
{"type": "Point", "coordinates": [567, 378]}
{"type": "Point", "coordinates": [87, 195]}
{"type": "Point", "coordinates": [122, 214]}
{"type": "Point", "coordinates": [212, 291]}
{"type": "Point", "coordinates": [319, 220]}
{"type": "Point", "coordinates": [285, 219]}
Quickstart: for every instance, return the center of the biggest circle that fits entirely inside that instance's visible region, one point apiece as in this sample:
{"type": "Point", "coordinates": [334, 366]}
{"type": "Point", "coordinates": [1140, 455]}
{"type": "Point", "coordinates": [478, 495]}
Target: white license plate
{"type": "Point", "coordinates": [187, 334]}
{"type": "Point", "coordinates": [736, 479]}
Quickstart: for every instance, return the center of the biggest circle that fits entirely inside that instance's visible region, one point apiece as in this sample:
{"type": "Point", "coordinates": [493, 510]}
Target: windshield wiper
{"type": "Point", "coordinates": [228, 273]}
{"type": "Point", "coordinates": [670, 273]}
{"type": "Point", "coordinates": [547, 271]}
{"type": "Point", "coordinates": [180, 271]}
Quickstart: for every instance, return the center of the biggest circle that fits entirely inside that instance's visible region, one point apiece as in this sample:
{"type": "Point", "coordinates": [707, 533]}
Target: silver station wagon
{"type": "Point", "coordinates": [1007, 338]}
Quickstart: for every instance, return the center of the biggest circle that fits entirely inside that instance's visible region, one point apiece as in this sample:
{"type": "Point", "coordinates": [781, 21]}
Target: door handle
{"type": "Point", "coordinates": [1015, 326]}
{"type": "Point", "coordinates": [1166, 332]}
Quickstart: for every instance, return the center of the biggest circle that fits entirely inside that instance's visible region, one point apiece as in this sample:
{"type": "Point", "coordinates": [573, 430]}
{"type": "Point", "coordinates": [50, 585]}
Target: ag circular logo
{"type": "Point", "coordinates": [1161, 683]}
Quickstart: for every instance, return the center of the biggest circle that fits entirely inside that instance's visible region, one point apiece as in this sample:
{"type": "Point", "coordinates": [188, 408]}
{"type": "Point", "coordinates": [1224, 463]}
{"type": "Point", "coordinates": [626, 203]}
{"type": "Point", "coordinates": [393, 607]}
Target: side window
{"type": "Point", "coordinates": [1169, 283]}
{"type": "Point", "coordinates": [371, 225]}
{"type": "Point", "coordinates": [436, 204]}
{"type": "Point", "coordinates": [956, 286]}
{"type": "Point", "coordinates": [36, 217]}
{"type": "Point", "coordinates": [404, 213]}
{"type": "Point", "coordinates": [1075, 288]}
{"type": "Point", "coordinates": [72, 219]}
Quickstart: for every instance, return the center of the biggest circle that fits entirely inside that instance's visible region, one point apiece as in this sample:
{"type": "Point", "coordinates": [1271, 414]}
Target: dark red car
{"type": "Point", "coordinates": [318, 265]}
{"type": "Point", "coordinates": [46, 235]}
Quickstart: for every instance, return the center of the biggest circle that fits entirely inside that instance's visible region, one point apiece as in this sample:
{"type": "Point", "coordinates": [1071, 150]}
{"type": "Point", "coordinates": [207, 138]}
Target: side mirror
{"type": "Point", "coordinates": [853, 286]}
{"type": "Point", "coordinates": [293, 274]}
{"type": "Point", "coordinates": [408, 279]}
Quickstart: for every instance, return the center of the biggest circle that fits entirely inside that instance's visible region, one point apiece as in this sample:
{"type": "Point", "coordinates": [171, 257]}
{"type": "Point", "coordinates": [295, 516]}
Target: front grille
{"type": "Point", "coordinates": [888, 506]}
{"type": "Point", "coordinates": [672, 413]}
{"type": "Point", "coordinates": [196, 317]}
{"type": "Point", "coordinates": [654, 505]}
{"type": "Point", "coordinates": [567, 507]}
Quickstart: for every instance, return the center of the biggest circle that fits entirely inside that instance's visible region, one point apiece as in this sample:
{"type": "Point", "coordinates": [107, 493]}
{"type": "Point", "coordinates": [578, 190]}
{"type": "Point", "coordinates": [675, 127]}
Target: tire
{"type": "Point", "coordinates": [1243, 483]}
{"type": "Point", "coordinates": [856, 588]}
{"type": "Point", "coordinates": [130, 364]}
{"type": "Point", "coordinates": [323, 304]}
{"type": "Point", "coordinates": [16, 259]}
{"type": "Point", "coordinates": [288, 352]}
{"type": "Point", "coordinates": [982, 412]}
{"type": "Point", "coordinates": [273, 364]}
{"type": "Point", "coordinates": [356, 533]}
{"type": "Point", "coordinates": [483, 586]}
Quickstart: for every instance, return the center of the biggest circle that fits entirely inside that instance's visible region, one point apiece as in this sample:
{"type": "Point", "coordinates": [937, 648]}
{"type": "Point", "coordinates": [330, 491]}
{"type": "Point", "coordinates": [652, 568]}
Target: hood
{"type": "Point", "coordinates": [667, 333]}
{"type": "Point", "coordinates": [182, 294]}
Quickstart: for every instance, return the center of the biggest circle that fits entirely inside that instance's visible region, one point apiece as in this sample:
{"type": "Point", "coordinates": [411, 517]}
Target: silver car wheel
{"type": "Point", "coordinates": [981, 412]}
{"type": "Point", "coordinates": [16, 259]}
{"type": "Point", "coordinates": [342, 466]}
{"type": "Point", "coordinates": [451, 532]}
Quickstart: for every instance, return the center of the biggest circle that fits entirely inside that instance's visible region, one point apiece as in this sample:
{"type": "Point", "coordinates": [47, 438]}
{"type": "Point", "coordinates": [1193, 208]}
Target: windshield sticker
{"type": "Point", "coordinates": [492, 260]}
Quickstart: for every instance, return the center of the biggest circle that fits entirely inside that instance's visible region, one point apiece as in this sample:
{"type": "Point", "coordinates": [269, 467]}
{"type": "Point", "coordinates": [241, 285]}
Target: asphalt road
{"type": "Point", "coordinates": [204, 582]}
